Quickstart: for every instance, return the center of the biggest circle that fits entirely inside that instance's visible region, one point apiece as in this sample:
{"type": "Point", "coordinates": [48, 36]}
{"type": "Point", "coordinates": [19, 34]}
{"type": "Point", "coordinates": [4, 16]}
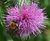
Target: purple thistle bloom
{"type": "Point", "coordinates": [30, 19]}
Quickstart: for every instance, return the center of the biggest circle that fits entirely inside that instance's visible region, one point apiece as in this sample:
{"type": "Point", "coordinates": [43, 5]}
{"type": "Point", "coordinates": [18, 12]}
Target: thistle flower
{"type": "Point", "coordinates": [29, 19]}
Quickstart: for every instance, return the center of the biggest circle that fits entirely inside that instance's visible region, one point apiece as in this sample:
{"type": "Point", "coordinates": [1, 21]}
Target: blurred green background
{"type": "Point", "coordinates": [4, 36]}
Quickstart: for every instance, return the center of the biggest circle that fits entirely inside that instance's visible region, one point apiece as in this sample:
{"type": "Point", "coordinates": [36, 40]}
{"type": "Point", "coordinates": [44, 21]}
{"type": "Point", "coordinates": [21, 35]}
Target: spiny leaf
{"type": "Point", "coordinates": [2, 15]}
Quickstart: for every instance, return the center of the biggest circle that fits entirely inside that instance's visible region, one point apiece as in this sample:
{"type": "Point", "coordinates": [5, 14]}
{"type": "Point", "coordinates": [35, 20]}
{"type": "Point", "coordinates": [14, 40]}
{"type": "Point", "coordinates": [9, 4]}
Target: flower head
{"type": "Point", "coordinates": [29, 19]}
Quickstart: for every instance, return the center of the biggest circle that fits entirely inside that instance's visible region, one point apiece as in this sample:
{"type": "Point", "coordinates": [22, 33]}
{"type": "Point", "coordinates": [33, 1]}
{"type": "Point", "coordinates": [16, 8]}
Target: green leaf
{"type": "Point", "coordinates": [1, 15]}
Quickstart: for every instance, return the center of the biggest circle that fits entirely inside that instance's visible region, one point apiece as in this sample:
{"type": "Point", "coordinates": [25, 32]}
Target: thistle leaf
{"type": "Point", "coordinates": [1, 16]}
